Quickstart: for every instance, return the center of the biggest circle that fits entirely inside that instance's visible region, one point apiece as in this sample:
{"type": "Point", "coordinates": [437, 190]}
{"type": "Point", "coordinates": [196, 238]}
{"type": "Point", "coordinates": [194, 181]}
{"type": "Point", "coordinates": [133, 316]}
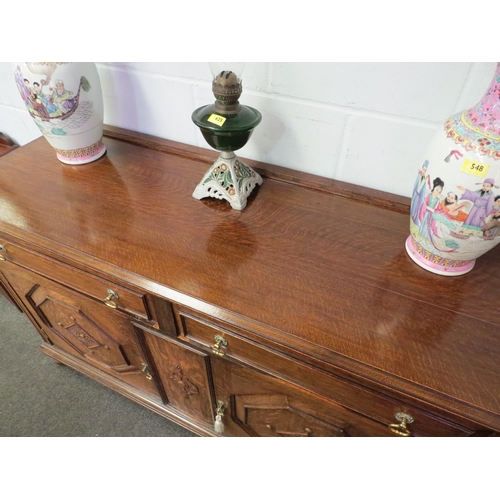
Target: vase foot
{"type": "Point", "coordinates": [82, 155]}
{"type": "Point", "coordinates": [437, 264]}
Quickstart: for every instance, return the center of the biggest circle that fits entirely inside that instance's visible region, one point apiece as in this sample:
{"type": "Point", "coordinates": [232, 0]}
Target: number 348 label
{"type": "Point", "coordinates": [474, 168]}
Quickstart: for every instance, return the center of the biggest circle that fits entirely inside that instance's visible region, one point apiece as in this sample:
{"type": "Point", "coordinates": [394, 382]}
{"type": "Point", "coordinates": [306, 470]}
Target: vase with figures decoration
{"type": "Point", "coordinates": [65, 101]}
{"type": "Point", "coordinates": [455, 206]}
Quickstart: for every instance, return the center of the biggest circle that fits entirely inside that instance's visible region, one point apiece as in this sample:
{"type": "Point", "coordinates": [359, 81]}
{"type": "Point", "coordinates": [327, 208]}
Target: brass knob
{"type": "Point", "coordinates": [401, 429]}
{"type": "Point", "coordinates": [216, 348]}
{"type": "Point", "coordinates": [111, 295]}
{"type": "Point", "coordinates": [2, 249]}
{"type": "Point", "coordinates": [145, 370]}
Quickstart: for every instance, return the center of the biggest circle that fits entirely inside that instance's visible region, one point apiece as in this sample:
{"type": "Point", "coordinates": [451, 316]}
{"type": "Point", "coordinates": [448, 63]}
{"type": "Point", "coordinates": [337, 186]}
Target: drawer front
{"type": "Point", "coordinates": [127, 301]}
{"type": "Point", "coordinates": [372, 405]}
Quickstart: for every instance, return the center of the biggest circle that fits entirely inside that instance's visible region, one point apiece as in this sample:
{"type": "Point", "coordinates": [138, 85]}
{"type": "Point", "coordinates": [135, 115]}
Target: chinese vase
{"type": "Point", "coordinates": [455, 206]}
{"type": "Point", "coordinates": [65, 101]}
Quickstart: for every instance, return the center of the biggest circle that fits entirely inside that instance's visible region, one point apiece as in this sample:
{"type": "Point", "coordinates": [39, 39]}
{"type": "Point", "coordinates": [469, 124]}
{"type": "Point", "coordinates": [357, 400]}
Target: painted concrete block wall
{"type": "Point", "coordinates": [365, 123]}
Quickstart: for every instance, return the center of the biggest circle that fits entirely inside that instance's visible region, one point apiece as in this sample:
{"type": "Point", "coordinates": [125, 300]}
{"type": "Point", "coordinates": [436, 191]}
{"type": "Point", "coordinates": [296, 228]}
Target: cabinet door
{"type": "Point", "coordinates": [82, 327]}
{"type": "Point", "coordinates": [256, 404]}
{"type": "Point", "coordinates": [183, 374]}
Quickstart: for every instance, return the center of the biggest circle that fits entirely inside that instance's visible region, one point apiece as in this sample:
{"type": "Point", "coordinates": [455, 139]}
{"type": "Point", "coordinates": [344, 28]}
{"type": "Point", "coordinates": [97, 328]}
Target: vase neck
{"type": "Point", "coordinates": [485, 115]}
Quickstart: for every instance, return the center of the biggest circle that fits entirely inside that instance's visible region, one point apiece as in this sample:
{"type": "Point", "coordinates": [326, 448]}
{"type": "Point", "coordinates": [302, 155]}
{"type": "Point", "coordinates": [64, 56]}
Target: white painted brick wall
{"type": "Point", "coordinates": [366, 123]}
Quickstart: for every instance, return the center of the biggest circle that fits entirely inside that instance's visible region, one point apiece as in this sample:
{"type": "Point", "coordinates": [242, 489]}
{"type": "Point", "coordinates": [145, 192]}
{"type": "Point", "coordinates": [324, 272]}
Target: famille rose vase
{"type": "Point", "coordinates": [455, 206]}
{"type": "Point", "coordinates": [65, 101]}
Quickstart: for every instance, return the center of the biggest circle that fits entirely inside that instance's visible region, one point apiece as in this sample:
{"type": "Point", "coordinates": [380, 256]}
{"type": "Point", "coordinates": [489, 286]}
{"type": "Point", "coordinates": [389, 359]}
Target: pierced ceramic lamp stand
{"type": "Point", "coordinates": [227, 125]}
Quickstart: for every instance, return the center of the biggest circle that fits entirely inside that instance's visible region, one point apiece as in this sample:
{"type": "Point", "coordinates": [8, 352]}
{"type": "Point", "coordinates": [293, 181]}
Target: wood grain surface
{"type": "Point", "coordinates": [312, 263]}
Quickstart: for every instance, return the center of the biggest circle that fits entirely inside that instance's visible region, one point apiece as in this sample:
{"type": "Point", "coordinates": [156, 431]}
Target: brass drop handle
{"type": "Point", "coordinates": [111, 295]}
{"type": "Point", "coordinates": [2, 249]}
{"type": "Point", "coordinates": [216, 348]}
{"type": "Point", "coordinates": [145, 370]}
{"type": "Point", "coordinates": [219, 413]}
{"type": "Point", "coordinates": [401, 429]}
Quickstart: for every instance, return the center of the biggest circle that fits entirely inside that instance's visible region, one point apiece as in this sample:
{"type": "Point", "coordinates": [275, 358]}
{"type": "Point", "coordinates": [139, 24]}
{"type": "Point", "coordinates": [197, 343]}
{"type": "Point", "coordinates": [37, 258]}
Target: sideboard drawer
{"type": "Point", "coordinates": [127, 301]}
{"type": "Point", "coordinates": [350, 395]}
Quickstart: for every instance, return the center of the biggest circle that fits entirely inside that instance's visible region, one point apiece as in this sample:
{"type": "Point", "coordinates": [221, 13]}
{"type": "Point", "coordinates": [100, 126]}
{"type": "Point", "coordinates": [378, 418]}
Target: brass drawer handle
{"type": "Point", "coordinates": [145, 370]}
{"type": "Point", "coordinates": [2, 249]}
{"type": "Point", "coordinates": [401, 429]}
{"type": "Point", "coordinates": [219, 413]}
{"type": "Point", "coordinates": [111, 295]}
{"type": "Point", "coordinates": [216, 348]}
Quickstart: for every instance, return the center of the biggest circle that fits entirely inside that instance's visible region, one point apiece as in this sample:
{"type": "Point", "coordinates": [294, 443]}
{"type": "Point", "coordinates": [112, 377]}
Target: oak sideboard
{"type": "Point", "coordinates": [300, 315]}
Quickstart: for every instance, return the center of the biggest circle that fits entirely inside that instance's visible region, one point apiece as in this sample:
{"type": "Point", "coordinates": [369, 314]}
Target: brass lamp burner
{"type": "Point", "coordinates": [227, 90]}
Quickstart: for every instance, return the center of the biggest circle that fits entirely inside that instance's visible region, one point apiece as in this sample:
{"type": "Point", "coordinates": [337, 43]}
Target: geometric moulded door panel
{"type": "Point", "coordinates": [259, 404]}
{"type": "Point", "coordinates": [273, 416]}
{"type": "Point", "coordinates": [82, 327]}
{"type": "Point", "coordinates": [75, 328]}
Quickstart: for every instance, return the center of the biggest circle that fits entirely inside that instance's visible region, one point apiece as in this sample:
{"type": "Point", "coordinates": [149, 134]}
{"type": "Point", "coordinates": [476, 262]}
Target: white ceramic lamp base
{"type": "Point", "coordinates": [228, 179]}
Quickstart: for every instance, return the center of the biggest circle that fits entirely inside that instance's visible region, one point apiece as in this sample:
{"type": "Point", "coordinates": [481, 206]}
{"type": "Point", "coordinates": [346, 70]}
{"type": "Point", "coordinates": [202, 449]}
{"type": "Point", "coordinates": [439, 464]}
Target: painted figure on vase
{"type": "Point", "coordinates": [42, 97]}
{"type": "Point", "coordinates": [419, 188]}
{"type": "Point", "coordinates": [38, 105]}
{"type": "Point", "coordinates": [452, 209]}
{"type": "Point", "coordinates": [483, 200]}
{"type": "Point", "coordinates": [25, 89]}
{"type": "Point", "coordinates": [491, 227]}
{"type": "Point", "coordinates": [60, 103]}
{"type": "Point", "coordinates": [62, 98]}
{"type": "Point", "coordinates": [431, 215]}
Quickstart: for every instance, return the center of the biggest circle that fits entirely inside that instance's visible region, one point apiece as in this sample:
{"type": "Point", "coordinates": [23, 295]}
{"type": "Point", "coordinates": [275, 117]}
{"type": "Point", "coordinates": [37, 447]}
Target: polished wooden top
{"type": "Point", "coordinates": [310, 263]}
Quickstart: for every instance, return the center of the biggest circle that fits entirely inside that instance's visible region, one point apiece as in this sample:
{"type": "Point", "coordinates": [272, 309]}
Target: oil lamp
{"type": "Point", "coordinates": [227, 125]}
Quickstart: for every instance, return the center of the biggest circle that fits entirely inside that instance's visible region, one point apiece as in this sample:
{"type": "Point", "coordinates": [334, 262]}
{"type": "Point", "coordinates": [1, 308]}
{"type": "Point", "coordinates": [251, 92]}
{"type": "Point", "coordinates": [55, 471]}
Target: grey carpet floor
{"type": "Point", "coordinates": [39, 398]}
